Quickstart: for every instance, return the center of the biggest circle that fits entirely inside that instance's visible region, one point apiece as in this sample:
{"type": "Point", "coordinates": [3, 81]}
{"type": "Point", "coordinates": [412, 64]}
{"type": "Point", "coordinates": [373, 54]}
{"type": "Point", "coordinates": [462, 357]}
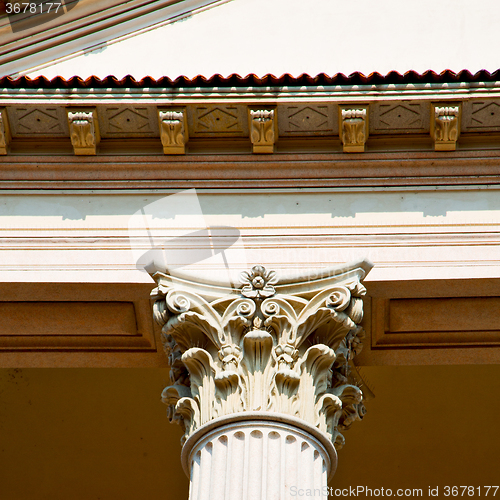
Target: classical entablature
{"type": "Point", "coordinates": [403, 170]}
{"type": "Point", "coordinates": [368, 134]}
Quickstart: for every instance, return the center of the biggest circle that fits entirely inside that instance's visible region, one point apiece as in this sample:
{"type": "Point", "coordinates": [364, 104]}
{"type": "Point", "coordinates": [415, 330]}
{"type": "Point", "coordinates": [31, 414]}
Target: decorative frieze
{"type": "Point", "coordinates": [266, 347]}
{"type": "Point", "coordinates": [5, 136]}
{"type": "Point", "coordinates": [353, 127]}
{"type": "Point", "coordinates": [173, 130]}
{"type": "Point", "coordinates": [445, 126]}
{"type": "Point", "coordinates": [263, 129]}
{"type": "Point", "coordinates": [84, 130]}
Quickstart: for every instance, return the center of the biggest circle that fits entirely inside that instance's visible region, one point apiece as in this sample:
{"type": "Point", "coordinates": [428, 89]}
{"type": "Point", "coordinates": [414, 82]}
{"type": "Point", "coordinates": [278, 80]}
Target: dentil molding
{"type": "Point", "coordinates": [269, 346]}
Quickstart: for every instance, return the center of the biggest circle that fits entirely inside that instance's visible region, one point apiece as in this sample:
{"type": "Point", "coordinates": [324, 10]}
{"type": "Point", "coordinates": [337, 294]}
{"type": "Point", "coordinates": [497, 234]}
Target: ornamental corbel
{"type": "Point", "coordinates": [353, 127]}
{"type": "Point", "coordinates": [445, 125]}
{"type": "Point", "coordinates": [83, 130]}
{"type": "Point", "coordinates": [263, 125]}
{"type": "Point", "coordinates": [173, 130]}
{"type": "Point", "coordinates": [5, 136]}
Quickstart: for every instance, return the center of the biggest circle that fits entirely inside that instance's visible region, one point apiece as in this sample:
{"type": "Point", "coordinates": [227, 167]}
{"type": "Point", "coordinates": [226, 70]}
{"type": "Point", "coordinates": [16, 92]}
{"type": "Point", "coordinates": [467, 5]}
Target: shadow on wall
{"type": "Point", "coordinates": [260, 205]}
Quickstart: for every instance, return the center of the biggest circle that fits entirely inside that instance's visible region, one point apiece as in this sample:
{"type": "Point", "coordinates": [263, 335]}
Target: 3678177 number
{"type": "Point", "coordinates": [32, 8]}
{"type": "Point", "coordinates": [470, 491]}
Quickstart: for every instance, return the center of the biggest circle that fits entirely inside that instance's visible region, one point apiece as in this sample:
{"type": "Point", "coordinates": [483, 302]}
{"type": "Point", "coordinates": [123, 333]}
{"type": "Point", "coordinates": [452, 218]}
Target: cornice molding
{"type": "Point", "coordinates": [432, 170]}
{"type": "Point", "coordinates": [95, 91]}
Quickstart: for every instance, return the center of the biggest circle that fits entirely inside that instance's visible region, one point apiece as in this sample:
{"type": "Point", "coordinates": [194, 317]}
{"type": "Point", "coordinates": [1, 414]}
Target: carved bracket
{"type": "Point", "coordinates": [84, 130]}
{"type": "Point", "coordinates": [353, 127]}
{"type": "Point", "coordinates": [173, 130]}
{"type": "Point", "coordinates": [263, 126]}
{"type": "Point", "coordinates": [265, 347]}
{"type": "Point", "coordinates": [5, 136]}
{"type": "Point", "coordinates": [445, 126]}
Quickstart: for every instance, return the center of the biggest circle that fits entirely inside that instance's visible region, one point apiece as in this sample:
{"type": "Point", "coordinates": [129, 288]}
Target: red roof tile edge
{"type": "Point", "coordinates": [251, 80]}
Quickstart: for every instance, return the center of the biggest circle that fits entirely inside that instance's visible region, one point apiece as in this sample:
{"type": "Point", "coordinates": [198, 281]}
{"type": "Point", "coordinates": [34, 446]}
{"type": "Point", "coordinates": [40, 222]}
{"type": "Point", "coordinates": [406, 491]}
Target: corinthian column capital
{"type": "Point", "coordinates": [275, 347]}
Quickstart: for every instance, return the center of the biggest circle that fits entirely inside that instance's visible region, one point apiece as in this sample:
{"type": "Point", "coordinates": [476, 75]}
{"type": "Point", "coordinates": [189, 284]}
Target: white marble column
{"type": "Point", "coordinates": [262, 379]}
{"type": "Point", "coordinates": [258, 458]}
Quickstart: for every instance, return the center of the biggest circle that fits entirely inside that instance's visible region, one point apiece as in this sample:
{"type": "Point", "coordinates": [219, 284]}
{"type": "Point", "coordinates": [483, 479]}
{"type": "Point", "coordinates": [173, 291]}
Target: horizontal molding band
{"type": "Point", "coordinates": [231, 171]}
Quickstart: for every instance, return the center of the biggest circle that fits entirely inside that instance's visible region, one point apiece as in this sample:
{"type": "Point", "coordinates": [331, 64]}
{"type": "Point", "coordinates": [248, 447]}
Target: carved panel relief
{"type": "Point", "coordinates": [218, 121]}
{"type": "Point", "coordinates": [307, 120]}
{"type": "Point", "coordinates": [128, 121]}
{"type": "Point", "coordinates": [481, 116]}
{"type": "Point", "coordinates": [38, 122]}
{"type": "Point", "coordinates": [399, 117]}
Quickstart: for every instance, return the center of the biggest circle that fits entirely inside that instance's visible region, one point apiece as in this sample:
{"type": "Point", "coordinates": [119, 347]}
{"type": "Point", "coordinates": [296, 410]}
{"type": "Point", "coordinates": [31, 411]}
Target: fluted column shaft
{"type": "Point", "coordinates": [257, 460]}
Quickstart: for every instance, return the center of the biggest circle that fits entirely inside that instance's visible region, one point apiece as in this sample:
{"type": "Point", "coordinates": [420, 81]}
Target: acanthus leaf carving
{"type": "Point", "coordinates": [83, 130]}
{"type": "Point", "coordinates": [445, 126]}
{"type": "Point", "coordinates": [258, 349]}
{"type": "Point", "coordinates": [173, 130]}
{"type": "Point", "coordinates": [353, 127]}
{"type": "Point", "coordinates": [263, 130]}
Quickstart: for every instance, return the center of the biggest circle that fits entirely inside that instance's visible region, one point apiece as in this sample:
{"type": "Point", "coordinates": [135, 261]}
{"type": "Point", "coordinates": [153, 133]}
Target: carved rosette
{"type": "Point", "coordinates": [354, 128]}
{"type": "Point", "coordinates": [263, 130]}
{"type": "Point", "coordinates": [266, 347]}
{"type": "Point", "coordinates": [445, 127]}
{"type": "Point", "coordinates": [83, 131]}
{"type": "Point", "coordinates": [173, 130]}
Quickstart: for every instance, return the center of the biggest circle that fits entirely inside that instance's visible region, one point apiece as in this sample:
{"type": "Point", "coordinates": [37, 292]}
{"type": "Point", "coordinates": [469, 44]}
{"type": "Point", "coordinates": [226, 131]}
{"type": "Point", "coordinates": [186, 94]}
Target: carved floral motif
{"type": "Point", "coordinates": [446, 127]}
{"type": "Point", "coordinates": [354, 129]}
{"type": "Point", "coordinates": [261, 350]}
{"type": "Point", "coordinates": [263, 130]}
{"type": "Point", "coordinates": [173, 131]}
{"type": "Point", "coordinates": [83, 132]}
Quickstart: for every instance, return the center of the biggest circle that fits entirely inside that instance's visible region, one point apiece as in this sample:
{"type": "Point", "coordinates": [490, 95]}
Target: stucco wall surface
{"type": "Point", "coordinates": [407, 234]}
